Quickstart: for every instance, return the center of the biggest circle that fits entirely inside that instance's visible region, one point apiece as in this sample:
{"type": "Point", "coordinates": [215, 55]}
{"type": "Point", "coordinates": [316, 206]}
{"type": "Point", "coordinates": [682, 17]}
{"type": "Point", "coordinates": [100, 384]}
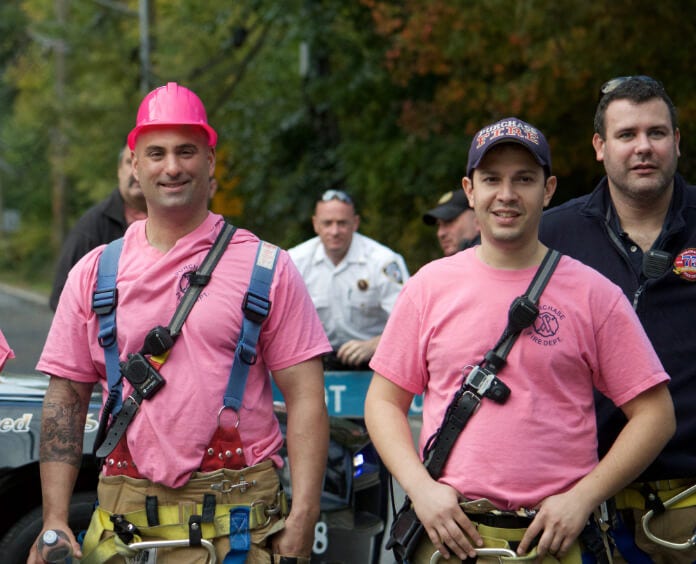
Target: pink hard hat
{"type": "Point", "coordinates": [171, 105]}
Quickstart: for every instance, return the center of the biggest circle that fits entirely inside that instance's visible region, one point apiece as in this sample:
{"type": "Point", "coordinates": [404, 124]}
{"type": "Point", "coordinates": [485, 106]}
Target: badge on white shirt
{"type": "Point", "coordinates": [393, 271]}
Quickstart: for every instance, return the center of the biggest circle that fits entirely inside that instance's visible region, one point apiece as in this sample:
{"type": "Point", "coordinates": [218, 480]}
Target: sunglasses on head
{"type": "Point", "coordinates": [339, 195]}
{"type": "Point", "coordinates": [614, 83]}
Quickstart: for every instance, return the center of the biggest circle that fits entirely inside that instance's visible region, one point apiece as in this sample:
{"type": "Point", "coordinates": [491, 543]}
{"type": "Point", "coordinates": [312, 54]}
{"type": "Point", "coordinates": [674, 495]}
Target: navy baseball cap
{"type": "Point", "coordinates": [449, 206]}
{"type": "Point", "coordinates": [509, 130]}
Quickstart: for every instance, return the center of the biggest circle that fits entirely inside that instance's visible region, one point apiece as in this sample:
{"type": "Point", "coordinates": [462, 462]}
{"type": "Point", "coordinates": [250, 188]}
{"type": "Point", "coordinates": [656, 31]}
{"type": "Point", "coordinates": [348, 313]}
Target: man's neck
{"type": "Point", "coordinates": [163, 233]}
{"type": "Point", "coordinates": [642, 221]}
{"type": "Point", "coordinates": [506, 257]}
{"type": "Point", "coordinates": [335, 258]}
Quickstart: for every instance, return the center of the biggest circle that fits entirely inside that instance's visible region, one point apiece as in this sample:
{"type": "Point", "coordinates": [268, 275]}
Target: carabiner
{"type": "Point", "coordinates": [690, 543]}
{"type": "Point", "coordinates": [176, 543]}
{"type": "Point", "coordinates": [499, 552]}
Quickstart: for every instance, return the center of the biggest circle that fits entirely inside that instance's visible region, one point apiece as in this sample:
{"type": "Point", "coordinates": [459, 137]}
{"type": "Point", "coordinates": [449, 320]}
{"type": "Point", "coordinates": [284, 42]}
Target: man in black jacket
{"type": "Point", "coordinates": [638, 228]}
{"type": "Point", "coordinates": [102, 223]}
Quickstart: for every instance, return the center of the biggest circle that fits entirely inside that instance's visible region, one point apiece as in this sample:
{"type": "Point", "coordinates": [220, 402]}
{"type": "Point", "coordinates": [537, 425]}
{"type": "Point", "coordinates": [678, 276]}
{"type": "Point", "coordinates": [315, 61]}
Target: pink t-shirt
{"type": "Point", "coordinates": [5, 351]}
{"type": "Point", "coordinates": [543, 439]}
{"type": "Point", "coordinates": [168, 435]}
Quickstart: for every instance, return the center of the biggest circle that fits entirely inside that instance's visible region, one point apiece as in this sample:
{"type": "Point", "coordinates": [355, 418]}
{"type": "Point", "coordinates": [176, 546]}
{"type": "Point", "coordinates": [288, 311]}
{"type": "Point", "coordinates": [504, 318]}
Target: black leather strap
{"type": "Point", "coordinates": [460, 412]}
{"type": "Point", "coordinates": [152, 511]}
{"type": "Point", "coordinates": [201, 278]}
{"type": "Point", "coordinates": [118, 427]}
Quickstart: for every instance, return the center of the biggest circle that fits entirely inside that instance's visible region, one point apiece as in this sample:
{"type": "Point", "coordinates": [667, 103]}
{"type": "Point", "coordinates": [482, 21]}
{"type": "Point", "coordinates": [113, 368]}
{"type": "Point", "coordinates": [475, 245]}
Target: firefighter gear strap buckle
{"type": "Point", "coordinates": [195, 531]}
{"type": "Point", "coordinates": [124, 529]}
{"type": "Point", "coordinates": [652, 499]}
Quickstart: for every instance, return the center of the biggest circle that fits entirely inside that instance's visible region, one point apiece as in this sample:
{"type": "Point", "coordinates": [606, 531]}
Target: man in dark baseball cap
{"type": "Point", "coordinates": [457, 228]}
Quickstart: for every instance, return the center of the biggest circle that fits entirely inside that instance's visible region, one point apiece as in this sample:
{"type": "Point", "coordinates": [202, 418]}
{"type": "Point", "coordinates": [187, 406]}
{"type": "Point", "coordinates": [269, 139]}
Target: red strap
{"type": "Point", "coordinates": [224, 451]}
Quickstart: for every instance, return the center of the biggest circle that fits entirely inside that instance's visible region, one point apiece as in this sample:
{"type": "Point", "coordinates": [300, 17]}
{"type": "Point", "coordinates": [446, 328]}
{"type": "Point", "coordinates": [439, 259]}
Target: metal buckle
{"type": "Point", "coordinates": [227, 486]}
{"type": "Point", "coordinates": [223, 408]}
{"type": "Point", "coordinates": [269, 510]}
{"type": "Point", "coordinates": [479, 380]}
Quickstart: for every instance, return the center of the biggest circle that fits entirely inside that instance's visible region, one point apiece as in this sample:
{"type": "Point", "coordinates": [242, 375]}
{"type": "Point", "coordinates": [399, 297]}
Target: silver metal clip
{"type": "Point", "coordinates": [480, 380]}
{"type": "Point", "coordinates": [645, 520]}
{"type": "Point", "coordinates": [227, 486]}
{"type": "Point", "coordinates": [499, 552]}
{"type": "Point", "coordinates": [176, 543]}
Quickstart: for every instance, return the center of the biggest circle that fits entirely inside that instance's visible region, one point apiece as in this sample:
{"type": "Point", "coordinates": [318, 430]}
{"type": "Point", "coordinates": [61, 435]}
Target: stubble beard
{"type": "Point", "coordinates": [645, 192]}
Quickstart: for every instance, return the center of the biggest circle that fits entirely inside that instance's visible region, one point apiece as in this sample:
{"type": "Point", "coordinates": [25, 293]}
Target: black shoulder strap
{"type": "Point", "coordinates": [523, 311]}
{"type": "Point", "coordinates": [200, 278]}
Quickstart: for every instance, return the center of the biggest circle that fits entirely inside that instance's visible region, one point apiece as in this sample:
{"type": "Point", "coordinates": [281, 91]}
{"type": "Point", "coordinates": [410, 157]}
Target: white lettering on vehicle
{"type": "Point", "coordinates": [91, 423]}
{"type": "Point", "coordinates": [23, 423]}
{"type": "Point", "coordinates": [336, 395]}
{"type": "Point", "coordinates": [321, 538]}
{"type": "Point", "coordinates": [337, 390]}
{"type": "Point", "coordinates": [19, 425]}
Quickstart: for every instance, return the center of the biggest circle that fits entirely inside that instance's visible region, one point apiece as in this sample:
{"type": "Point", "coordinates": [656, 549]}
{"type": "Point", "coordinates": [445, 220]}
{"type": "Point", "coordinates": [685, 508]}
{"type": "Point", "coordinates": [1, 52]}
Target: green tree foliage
{"type": "Point", "coordinates": [384, 103]}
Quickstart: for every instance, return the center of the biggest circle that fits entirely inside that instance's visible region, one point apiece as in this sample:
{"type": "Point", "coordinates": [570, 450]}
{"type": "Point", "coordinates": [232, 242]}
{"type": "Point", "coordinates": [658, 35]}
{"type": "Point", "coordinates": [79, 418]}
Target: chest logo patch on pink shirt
{"type": "Point", "coordinates": [546, 326]}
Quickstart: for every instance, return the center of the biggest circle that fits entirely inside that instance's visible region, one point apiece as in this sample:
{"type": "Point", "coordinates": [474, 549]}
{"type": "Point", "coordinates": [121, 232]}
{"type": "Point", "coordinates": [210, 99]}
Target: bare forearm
{"type": "Point", "coordinates": [390, 432]}
{"type": "Point", "coordinates": [437, 505]}
{"type": "Point", "coordinates": [307, 442]}
{"type": "Point", "coordinates": [307, 434]}
{"type": "Point", "coordinates": [62, 431]}
{"type": "Point", "coordinates": [307, 438]}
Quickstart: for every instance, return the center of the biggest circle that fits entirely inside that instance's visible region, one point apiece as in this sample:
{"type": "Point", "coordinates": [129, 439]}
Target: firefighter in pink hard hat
{"type": "Point", "coordinates": [183, 468]}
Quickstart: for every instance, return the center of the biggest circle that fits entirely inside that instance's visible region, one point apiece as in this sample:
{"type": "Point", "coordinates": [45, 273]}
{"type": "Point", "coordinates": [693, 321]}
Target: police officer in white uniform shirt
{"type": "Point", "coordinates": [353, 280]}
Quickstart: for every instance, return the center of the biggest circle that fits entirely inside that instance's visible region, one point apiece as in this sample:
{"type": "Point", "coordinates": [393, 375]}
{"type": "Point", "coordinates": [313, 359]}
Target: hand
{"type": "Point", "coordinates": [354, 353]}
{"type": "Point", "coordinates": [562, 518]}
{"type": "Point", "coordinates": [296, 539]}
{"type": "Point", "coordinates": [34, 557]}
{"type": "Point", "coordinates": [449, 529]}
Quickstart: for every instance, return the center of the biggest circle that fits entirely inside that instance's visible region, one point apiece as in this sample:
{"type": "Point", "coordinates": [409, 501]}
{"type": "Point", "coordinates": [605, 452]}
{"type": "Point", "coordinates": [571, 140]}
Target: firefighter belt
{"type": "Point", "coordinates": [637, 495]}
{"type": "Point", "coordinates": [494, 538]}
{"type": "Point", "coordinates": [154, 511]}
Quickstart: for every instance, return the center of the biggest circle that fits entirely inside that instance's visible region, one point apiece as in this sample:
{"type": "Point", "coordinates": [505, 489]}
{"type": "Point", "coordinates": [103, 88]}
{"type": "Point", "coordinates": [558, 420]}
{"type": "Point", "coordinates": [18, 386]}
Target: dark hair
{"type": "Point", "coordinates": [637, 89]}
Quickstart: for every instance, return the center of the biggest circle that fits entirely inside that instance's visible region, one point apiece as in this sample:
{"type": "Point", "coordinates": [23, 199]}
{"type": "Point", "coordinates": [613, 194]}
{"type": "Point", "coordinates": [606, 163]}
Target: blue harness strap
{"type": "Point", "coordinates": [625, 541]}
{"type": "Point", "coordinates": [104, 302]}
{"type": "Point", "coordinates": [256, 307]}
{"type": "Point", "coordinates": [240, 536]}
